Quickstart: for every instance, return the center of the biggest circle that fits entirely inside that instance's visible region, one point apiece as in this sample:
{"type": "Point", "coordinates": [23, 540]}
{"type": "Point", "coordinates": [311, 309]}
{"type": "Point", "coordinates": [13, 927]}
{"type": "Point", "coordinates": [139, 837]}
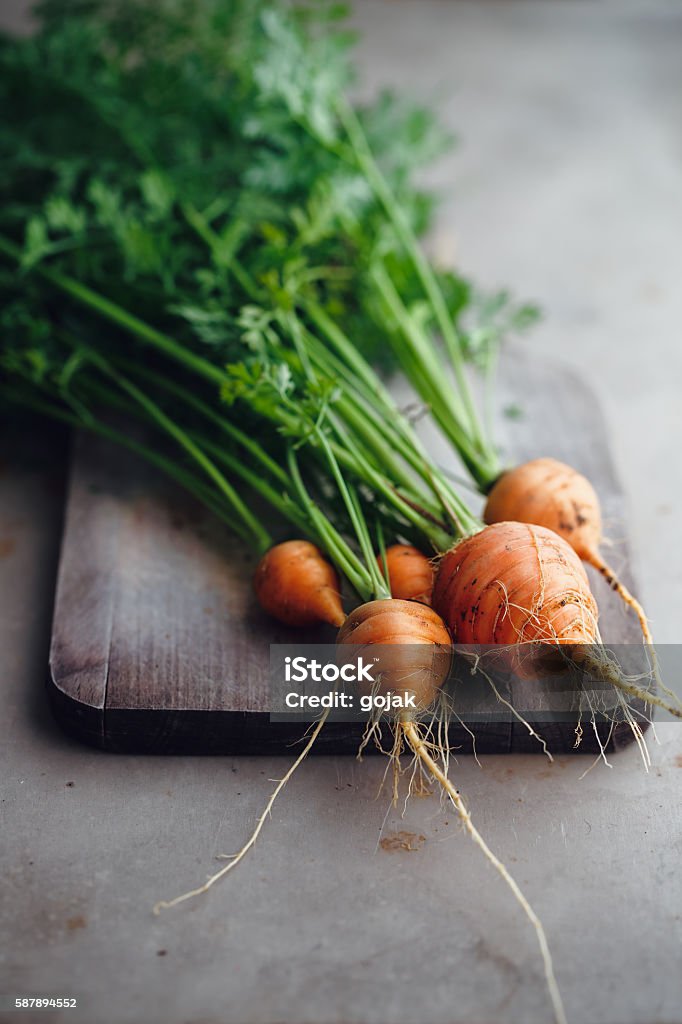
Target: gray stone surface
{"type": "Point", "coordinates": [566, 187]}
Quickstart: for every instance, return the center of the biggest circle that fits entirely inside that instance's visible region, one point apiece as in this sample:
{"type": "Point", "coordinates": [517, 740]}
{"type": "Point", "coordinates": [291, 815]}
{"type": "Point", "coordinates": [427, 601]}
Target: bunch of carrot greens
{"type": "Point", "coordinates": [207, 254]}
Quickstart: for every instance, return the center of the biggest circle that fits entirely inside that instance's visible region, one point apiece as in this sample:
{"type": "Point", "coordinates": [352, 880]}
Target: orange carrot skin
{"type": "Point", "coordinates": [513, 583]}
{"type": "Point", "coordinates": [296, 584]}
{"type": "Point", "coordinates": [421, 661]}
{"type": "Point", "coordinates": [410, 573]}
{"type": "Point", "coordinates": [549, 493]}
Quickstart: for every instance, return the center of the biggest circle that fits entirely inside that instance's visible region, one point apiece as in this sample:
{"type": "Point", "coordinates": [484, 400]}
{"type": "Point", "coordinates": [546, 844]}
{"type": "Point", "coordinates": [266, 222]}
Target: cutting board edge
{"type": "Point", "coordinates": [236, 733]}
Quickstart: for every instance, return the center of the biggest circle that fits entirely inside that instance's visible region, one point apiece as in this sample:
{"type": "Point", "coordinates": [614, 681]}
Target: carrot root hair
{"type": "Point", "coordinates": [594, 559]}
{"type": "Point", "coordinates": [235, 858]}
{"type": "Point", "coordinates": [604, 668]}
{"type": "Point", "coordinates": [416, 743]}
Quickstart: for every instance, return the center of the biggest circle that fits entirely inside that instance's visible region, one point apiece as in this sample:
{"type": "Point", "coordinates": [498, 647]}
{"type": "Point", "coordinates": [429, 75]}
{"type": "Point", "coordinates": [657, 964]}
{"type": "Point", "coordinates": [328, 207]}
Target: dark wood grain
{"type": "Point", "coordinates": [157, 643]}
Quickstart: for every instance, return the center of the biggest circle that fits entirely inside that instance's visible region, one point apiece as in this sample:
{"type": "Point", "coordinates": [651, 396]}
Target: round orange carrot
{"type": "Point", "coordinates": [549, 493]}
{"type": "Point", "coordinates": [421, 660]}
{"type": "Point", "coordinates": [296, 584]}
{"type": "Point", "coordinates": [513, 583]}
{"type": "Point", "coordinates": [410, 573]}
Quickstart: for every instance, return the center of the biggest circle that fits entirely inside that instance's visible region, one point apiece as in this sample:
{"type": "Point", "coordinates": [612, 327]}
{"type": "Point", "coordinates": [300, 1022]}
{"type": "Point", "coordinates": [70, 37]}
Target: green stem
{"type": "Point", "coordinates": [364, 373]}
{"type": "Point", "coordinates": [284, 505]}
{"type": "Point", "coordinates": [336, 547]}
{"type": "Point", "coordinates": [363, 424]}
{"type": "Point", "coordinates": [352, 460]}
{"type": "Point", "coordinates": [103, 394]}
{"type": "Point", "coordinates": [377, 440]}
{"type": "Point", "coordinates": [349, 353]}
{"type": "Point", "coordinates": [423, 368]}
{"type": "Point", "coordinates": [377, 434]}
{"type": "Point", "coordinates": [357, 520]}
{"type": "Point", "coordinates": [116, 314]}
{"type": "Point", "coordinates": [439, 538]}
{"type": "Point", "coordinates": [399, 433]}
{"type": "Point", "coordinates": [376, 419]}
{"type": "Point", "coordinates": [224, 425]}
{"type": "Point", "coordinates": [187, 480]}
{"type": "Point", "coordinates": [392, 425]}
{"type": "Point", "coordinates": [259, 535]}
{"type": "Point", "coordinates": [370, 168]}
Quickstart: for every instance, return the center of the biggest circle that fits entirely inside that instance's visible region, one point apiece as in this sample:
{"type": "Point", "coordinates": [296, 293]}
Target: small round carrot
{"type": "Point", "coordinates": [296, 584]}
{"type": "Point", "coordinates": [421, 660]}
{"type": "Point", "coordinates": [513, 583]}
{"type": "Point", "coordinates": [410, 573]}
{"type": "Point", "coordinates": [549, 493]}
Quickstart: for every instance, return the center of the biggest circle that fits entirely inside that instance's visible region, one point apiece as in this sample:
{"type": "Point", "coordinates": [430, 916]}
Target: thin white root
{"type": "Point", "coordinates": [611, 577]}
{"type": "Point", "coordinates": [599, 756]}
{"type": "Point", "coordinates": [415, 741]}
{"type": "Point", "coordinates": [637, 732]}
{"type": "Point", "coordinates": [602, 746]}
{"type": "Point", "coordinates": [597, 562]}
{"type": "Point", "coordinates": [236, 857]}
{"type": "Point", "coordinates": [608, 672]}
{"type": "Point", "coordinates": [579, 730]}
{"type": "Point", "coordinates": [473, 738]}
{"type": "Point", "coordinates": [519, 717]}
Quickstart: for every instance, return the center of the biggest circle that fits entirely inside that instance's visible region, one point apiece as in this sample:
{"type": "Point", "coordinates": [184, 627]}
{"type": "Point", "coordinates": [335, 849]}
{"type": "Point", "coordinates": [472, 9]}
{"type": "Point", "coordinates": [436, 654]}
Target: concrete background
{"type": "Point", "coordinates": [566, 188]}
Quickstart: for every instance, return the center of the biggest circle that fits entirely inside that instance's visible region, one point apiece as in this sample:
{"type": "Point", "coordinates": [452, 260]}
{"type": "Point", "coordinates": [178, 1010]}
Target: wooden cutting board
{"type": "Point", "coordinates": [158, 645]}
